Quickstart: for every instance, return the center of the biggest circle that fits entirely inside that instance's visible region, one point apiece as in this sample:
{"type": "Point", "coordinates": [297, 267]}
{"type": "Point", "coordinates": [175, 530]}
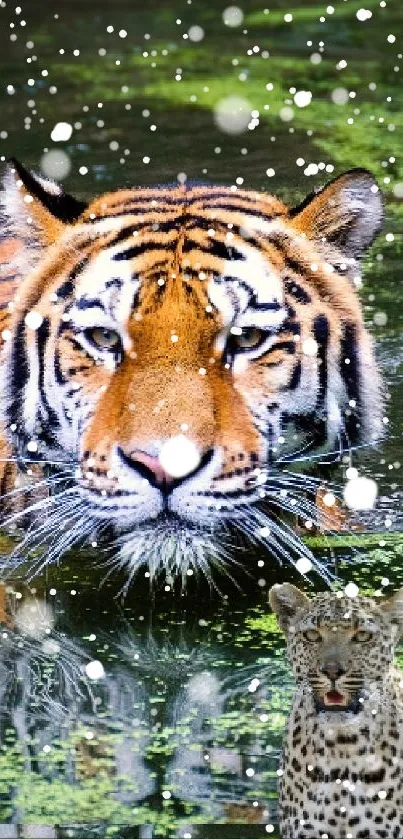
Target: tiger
{"type": "Point", "coordinates": [171, 353]}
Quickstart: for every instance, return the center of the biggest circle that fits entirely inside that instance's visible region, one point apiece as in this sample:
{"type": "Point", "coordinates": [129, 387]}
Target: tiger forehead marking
{"type": "Point", "coordinates": [179, 244]}
{"type": "Point", "coordinates": [176, 347]}
{"type": "Point", "coordinates": [248, 289]}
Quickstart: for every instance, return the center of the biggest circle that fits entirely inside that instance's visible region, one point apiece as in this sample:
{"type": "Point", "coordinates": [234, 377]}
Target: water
{"type": "Point", "coordinates": [181, 734]}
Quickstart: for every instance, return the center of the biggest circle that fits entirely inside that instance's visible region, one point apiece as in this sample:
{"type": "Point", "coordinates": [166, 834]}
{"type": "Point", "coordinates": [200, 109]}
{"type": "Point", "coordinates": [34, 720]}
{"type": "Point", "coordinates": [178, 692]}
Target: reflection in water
{"type": "Point", "coordinates": [168, 736]}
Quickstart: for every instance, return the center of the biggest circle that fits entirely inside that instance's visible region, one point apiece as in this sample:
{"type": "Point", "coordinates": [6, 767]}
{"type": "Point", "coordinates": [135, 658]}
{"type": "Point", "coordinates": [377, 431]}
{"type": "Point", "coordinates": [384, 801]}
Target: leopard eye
{"type": "Point", "coordinates": [312, 635]}
{"type": "Point", "coordinates": [247, 338]}
{"type": "Point", "coordinates": [362, 636]}
{"type": "Point", "coordinates": [103, 338]}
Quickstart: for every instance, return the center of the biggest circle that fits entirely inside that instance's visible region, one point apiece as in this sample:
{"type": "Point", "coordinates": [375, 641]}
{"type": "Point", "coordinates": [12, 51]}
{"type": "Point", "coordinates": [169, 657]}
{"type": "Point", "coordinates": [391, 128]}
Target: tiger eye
{"type": "Point", "coordinates": [361, 636]}
{"type": "Point", "coordinates": [249, 338]}
{"type": "Point", "coordinates": [102, 338]}
{"type": "Point", "coordinates": [312, 635]}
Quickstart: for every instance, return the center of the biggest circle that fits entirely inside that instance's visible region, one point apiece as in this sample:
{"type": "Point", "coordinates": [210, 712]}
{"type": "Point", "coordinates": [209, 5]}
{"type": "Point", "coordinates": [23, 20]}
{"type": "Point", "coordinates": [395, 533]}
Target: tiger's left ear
{"type": "Point", "coordinates": [34, 211]}
{"type": "Point", "coordinates": [348, 212]}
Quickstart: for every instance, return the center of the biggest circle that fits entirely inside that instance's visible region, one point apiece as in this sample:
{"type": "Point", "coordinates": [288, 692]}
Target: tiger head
{"type": "Point", "coordinates": [173, 349]}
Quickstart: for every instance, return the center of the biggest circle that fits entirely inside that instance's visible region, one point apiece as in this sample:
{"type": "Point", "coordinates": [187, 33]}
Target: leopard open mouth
{"type": "Point", "coordinates": [334, 698]}
{"type": "Point", "coordinates": [336, 701]}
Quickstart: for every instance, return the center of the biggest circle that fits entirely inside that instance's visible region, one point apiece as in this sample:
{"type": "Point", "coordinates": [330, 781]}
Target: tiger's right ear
{"type": "Point", "coordinates": [347, 212]}
{"type": "Point", "coordinates": [286, 600]}
{"type": "Point", "coordinates": [34, 212]}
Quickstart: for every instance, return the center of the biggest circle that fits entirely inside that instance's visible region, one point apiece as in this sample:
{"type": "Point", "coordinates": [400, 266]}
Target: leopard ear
{"type": "Point", "coordinates": [34, 212]}
{"type": "Point", "coordinates": [394, 607]}
{"type": "Point", "coordinates": [286, 600]}
{"type": "Point", "coordinates": [347, 212]}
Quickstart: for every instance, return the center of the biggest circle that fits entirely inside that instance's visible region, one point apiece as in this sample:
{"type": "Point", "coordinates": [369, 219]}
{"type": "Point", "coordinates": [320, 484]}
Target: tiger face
{"type": "Point", "coordinates": [173, 349]}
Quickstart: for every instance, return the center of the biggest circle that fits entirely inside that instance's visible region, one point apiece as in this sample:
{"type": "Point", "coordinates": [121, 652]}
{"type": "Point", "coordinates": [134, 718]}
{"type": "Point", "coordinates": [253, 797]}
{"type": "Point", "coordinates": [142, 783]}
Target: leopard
{"type": "Point", "coordinates": [341, 771]}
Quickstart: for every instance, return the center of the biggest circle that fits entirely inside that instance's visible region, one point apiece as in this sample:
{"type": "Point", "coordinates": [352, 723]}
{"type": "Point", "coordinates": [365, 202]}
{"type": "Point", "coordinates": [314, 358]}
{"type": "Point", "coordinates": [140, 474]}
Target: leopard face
{"type": "Point", "coordinates": [341, 648]}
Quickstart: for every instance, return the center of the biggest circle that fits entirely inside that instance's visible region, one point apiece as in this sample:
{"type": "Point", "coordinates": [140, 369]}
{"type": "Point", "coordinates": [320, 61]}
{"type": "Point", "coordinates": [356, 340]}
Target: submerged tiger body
{"type": "Point", "coordinates": [169, 351]}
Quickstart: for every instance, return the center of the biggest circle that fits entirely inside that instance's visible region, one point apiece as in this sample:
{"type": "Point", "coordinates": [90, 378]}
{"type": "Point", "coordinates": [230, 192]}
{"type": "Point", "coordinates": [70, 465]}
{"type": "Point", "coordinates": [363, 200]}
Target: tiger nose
{"type": "Point", "coordinates": [150, 467]}
{"type": "Point", "coordinates": [333, 670]}
{"type": "Point", "coordinates": [177, 460]}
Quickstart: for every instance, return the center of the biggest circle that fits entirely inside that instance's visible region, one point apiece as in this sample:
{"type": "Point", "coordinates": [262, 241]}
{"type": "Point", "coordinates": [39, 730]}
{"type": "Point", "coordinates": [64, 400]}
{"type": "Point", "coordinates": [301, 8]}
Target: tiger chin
{"type": "Point", "coordinates": [171, 356]}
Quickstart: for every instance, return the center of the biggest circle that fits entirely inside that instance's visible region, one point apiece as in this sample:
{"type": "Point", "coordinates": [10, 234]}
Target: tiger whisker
{"type": "Point", "coordinates": [50, 483]}
{"type": "Point", "coordinates": [331, 453]}
{"type": "Point", "coordinates": [41, 461]}
{"type": "Point", "coordinates": [38, 505]}
{"type": "Point", "coordinates": [306, 511]}
{"type": "Point", "coordinates": [174, 553]}
{"type": "Point", "coordinates": [278, 537]}
{"type": "Point", "coordinates": [56, 516]}
{"type": "Point", "coordinates": [61, 546]}
{"type": "Point", "coordinates": [35, 538]}
{"type": "Point", "coordinates": [286, 477]}
{"type": "Point", "coordinates": [62, 541]}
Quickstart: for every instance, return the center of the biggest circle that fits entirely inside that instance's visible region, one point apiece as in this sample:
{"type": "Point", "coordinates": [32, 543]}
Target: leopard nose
{"type": "Point", "coordinates": [333, 670]}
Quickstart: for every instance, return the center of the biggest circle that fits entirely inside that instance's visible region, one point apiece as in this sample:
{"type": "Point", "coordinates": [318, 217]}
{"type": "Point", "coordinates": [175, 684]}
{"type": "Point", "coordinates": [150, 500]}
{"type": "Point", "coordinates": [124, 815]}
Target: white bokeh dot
{"type": "Point", "coordinates": [61, 132]}
{"type": "Point", "coordinates": [232, 114]}
{"type": "Point", "coordinates": [351, 590]}
{"type": "Point", "coordinates": [303, 565]}
{"type": "Point", "coordinates": [360, 493]}
{"type": "Point", "coordinates": [95, 670]}
{"type": "Point", "coordinates": [339, 96]}
{"type": "Point", "coordinates": [232, 16]}
{"type": "Point", "coordinates": [55, 164]}
{"type": "Point", "coordinates": [179, 456]}
{"type": "Point", "coordinates": [196, 33]}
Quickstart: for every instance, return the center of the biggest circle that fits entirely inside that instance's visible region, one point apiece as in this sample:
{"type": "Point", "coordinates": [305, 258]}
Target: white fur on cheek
{"type": "Point", "coordinates": [240, 364]}
{"type": "Point", "coordinates": [257, 273]}
{"type": "Point", "coordinates": [220, 299]}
